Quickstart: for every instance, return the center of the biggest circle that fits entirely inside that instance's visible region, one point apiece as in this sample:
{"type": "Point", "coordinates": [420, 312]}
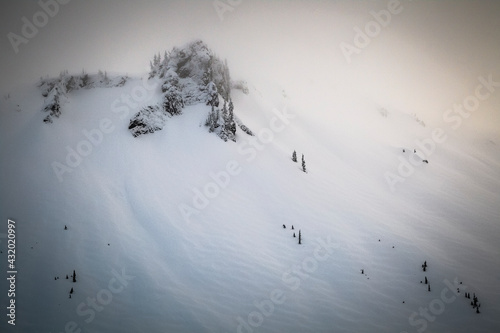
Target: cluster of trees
{"type": "Point", "coordinates": [294, 236]}
{"type": "Point", "coordinates": [220, 121]}
{"type": "Point", "coordinates": [197, 62]}
{"type": "Point", "coordinates": [158, 65]}
{"type": "Point", "coordinates": [475, 302]}
{"type": "Point", "coordinates": [55, 89]}
{"type": "Point", "coordinates": [191, 75]}
{"type": "Point", "coordinates": [67, 278]}
{"type": "Point", "coordinates": [294, 158]}
{"type": "Point", "coordinates": [194, 74]}
{"type": "Point", "coordinates": [66, 82]}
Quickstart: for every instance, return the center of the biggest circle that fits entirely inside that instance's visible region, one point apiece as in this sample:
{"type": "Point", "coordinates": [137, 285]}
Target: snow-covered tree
{"type": "Point", "coordinates": [172, 99]}
{"type": "Point", "coordinates": [211, 121]}
{"type": "Point", "coordinates": [84, 79]}
{"type": "Point", "coordinates": [212, 94]}
{"type": "Point", "coordinates": [53, 105]}
{"type": "Point", "coordinates": [229, 129]}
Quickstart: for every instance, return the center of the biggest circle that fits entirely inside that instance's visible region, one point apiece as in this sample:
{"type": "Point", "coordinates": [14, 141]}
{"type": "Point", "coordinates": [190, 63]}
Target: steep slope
{"type": "Point", "coordinates": [179, 231]}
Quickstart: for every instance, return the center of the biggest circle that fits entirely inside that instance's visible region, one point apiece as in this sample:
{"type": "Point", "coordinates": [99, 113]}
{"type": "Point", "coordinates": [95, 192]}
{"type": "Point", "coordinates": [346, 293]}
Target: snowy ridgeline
{"type": "Point", "coordinates": [189, 75]}
{"type": "Point", "coordinates": [55, 90]}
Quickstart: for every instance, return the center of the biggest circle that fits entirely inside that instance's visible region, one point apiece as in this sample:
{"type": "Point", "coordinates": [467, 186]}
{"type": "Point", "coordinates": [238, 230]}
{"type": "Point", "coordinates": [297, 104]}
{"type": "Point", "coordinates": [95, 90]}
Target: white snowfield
{"type": "Point", "coordinates": [179, 231]}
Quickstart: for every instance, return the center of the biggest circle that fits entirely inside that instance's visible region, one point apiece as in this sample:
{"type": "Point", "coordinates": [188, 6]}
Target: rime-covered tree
{"type": "Point", "coordinates": [152, 71]}
{"type": "Point", "coordinates": [224, 131]}
{"type": "Point", "coordinates": [229, 124]}
{"type": "Point", "coordinates": [84, 79]}
{"type": "Point", "coordinates": [172, 98]}
{"type": "Point", "coordinates": [303, 163]}
{"type": "Point", "coordinates": [154, 66]}
{"type": "Point", "coordinates": [71, 84]}
{"type": "Point", "coordinates": [163, 65]}
{"type": "Point", "coordinates": [106, 79]}
{"type": "Point", "coordinates": [294, 156]}
{"type": "Point", "coordinates": [53, 105]}
{"type": "Point", "coordinates": [212, 121]}
{"type": "Point", "coordinates": [226, 81]}
{"type": "Point", "coordinates": [212, 94]}
{"type": "Point", "coordinates": [207, 76]}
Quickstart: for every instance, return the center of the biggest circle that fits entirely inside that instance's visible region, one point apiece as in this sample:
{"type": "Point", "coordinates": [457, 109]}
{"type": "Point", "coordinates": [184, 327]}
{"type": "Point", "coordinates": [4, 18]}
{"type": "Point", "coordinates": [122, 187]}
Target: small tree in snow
{"type": "Point", "coordinates": [230, 125]}
{"type": "Point", "coordinates": [84, 79]}
{"type": "Point", "coordinates": [303, 163]}
{"type": "Point", "coordinates": [300, 237]}
{"type": "Point", "coordinates": [294, 156]}
{"type": "Point", "coordinates": [74, 276]}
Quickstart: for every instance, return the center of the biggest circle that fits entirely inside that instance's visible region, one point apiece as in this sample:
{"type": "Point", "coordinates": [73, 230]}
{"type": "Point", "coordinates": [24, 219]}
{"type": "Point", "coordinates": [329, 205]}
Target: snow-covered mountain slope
{"type": "Point", "coordinates": [179, 231]}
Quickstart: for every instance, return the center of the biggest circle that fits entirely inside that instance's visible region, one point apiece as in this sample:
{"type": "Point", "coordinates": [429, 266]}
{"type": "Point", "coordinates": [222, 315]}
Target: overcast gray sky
{"type": "Point", "coordinates": [428, 57]}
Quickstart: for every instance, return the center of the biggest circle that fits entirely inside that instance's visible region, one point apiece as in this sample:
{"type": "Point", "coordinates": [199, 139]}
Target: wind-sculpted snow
{"type": "Point", "coordinates": [232, 267]}
{"type": "Point", "coordinates": [197, 225]}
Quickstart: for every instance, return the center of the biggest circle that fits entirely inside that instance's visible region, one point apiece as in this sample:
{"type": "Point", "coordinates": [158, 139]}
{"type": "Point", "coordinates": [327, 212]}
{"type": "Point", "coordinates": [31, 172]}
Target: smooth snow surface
{"type": "Point", "coordinates": [231, 267]}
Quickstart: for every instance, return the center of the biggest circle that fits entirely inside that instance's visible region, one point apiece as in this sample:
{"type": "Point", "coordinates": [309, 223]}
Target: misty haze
{"type": "Point", "coordinates": [250, 166]}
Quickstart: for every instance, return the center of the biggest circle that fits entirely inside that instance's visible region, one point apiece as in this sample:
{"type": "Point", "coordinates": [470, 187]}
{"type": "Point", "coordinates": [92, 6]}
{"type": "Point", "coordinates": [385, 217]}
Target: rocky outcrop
{"type": "Point", "coordinates": [191, 75]}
